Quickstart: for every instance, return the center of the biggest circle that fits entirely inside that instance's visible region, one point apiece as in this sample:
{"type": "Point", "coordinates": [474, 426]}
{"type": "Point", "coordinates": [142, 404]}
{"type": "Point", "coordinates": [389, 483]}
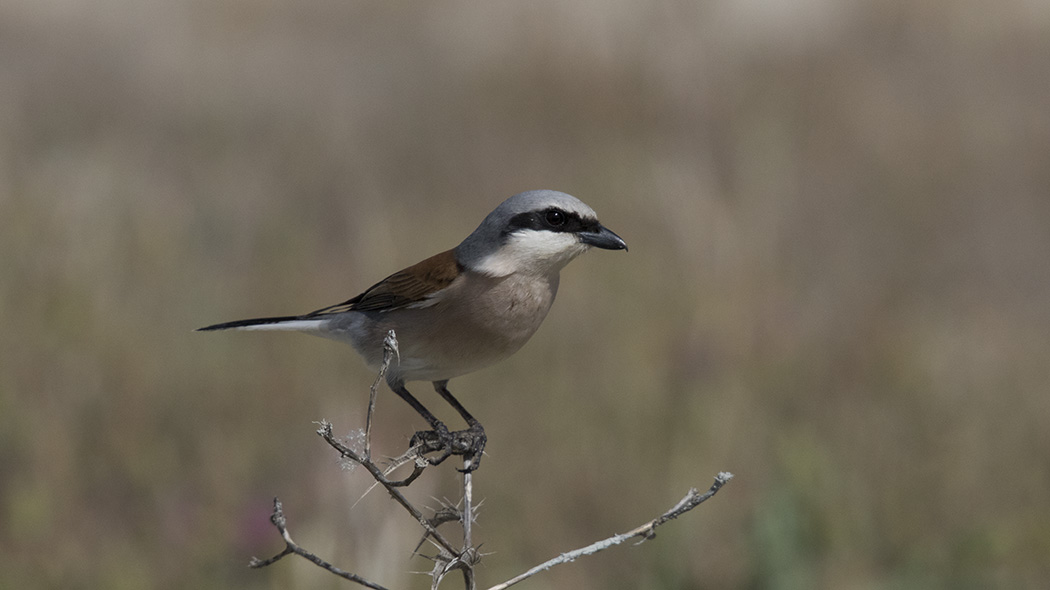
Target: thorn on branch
{"type": "Point", "coordinates": [447, 513]}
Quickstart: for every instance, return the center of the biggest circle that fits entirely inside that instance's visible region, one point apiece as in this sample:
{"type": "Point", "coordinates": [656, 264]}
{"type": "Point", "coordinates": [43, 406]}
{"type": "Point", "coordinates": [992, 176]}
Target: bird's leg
{"type": "Point", "coordinates": [469, 442]}
{"type": "Point", "coordinates": [438, 439]}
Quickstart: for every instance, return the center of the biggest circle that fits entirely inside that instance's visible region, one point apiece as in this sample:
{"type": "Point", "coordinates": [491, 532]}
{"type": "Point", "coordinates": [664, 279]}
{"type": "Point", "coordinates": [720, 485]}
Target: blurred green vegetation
{"type": "Point", "coordinates": [837, 287]}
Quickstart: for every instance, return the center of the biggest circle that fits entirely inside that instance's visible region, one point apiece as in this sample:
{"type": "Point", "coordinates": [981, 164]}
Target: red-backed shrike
{"type": "Point", "coordinates": [465, 308]}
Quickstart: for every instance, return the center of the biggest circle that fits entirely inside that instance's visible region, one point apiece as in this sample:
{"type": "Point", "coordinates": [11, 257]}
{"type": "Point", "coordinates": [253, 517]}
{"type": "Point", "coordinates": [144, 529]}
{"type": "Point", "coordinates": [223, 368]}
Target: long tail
{"type": "Point", "coordinates": [295, 323]}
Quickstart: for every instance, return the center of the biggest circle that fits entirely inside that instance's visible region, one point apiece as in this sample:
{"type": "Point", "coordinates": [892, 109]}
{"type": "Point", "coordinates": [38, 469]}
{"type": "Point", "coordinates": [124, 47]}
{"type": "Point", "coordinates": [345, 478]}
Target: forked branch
{"type": "Point", "coordinates": [277, 518]}
{"type": "Point", "coordinates": [449, 558]}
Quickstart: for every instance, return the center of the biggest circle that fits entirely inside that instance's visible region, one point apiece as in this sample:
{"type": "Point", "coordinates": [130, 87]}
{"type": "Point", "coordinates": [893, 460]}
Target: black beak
{"type": "Point", "coordinates": [604, 238]}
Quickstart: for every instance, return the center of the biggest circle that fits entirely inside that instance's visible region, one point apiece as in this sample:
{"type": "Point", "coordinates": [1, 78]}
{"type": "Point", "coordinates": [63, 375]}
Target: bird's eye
{"type": "Point", "coordinates": [555, 218]}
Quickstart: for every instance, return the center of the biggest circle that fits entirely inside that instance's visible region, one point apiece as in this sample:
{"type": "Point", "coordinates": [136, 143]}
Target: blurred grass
{"type": "Point", "coordinates": [837, 286]}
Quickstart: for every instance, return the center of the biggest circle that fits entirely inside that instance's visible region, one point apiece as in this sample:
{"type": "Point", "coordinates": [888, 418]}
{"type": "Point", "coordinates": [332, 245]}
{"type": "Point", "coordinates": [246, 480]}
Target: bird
{"type": "Point", "coordinates": [463, 309]}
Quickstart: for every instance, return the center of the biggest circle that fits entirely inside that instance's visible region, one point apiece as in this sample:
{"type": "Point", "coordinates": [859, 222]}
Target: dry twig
{"type": "Point", "coordinates": [449, 558]}
{"type": "Point", "coordinates": [646, 531]}
{"type": "Point", "coordinates": [277, 518]}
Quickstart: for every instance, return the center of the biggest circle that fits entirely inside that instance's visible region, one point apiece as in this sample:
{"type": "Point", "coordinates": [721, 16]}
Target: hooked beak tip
{"type": "Point", "coordinates": [604, 238]}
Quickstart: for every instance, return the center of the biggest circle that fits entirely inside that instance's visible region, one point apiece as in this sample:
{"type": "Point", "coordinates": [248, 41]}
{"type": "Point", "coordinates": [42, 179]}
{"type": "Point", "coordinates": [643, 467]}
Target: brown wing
{"type": "Point", "coordinates": [404, 287]}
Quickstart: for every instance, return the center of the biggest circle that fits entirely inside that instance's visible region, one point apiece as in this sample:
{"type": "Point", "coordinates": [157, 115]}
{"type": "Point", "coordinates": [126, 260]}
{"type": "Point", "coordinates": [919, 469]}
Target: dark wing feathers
{"type": "Point", "coordinates": [402, 288]}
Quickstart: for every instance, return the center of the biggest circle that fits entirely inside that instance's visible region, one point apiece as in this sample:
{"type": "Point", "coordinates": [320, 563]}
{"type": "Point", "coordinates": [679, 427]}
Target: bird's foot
{"type": "Point", "coordinates": [432, 441]}
{"type": "Point", "coordinates": [469, 443]}
{"type": "Point", "coordinates": [472, 441]}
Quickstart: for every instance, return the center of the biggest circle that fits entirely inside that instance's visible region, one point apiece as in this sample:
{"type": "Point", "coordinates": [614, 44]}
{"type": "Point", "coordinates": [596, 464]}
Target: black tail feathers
{"type": "Point", "coordinates": [251, 322]}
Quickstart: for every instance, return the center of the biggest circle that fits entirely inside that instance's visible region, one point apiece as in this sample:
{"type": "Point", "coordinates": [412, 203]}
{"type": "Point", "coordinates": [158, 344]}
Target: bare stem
{"type": "Point", "coordinates": [468, 506]}
{"type": "Point", "coordinates": [290, 547]}
{"type": "Point", "coordinates": [646, 531]}
{"type": "Point", "coordinates": [390, 350]}
{"type": "Point", "coordinates": [472, 555]}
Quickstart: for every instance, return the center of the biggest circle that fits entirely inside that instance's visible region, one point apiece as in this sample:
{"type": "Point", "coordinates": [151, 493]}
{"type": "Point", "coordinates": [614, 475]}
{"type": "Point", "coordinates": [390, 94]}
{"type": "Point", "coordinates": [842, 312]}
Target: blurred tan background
{"type": "Point", "coordinates": [837, 288]}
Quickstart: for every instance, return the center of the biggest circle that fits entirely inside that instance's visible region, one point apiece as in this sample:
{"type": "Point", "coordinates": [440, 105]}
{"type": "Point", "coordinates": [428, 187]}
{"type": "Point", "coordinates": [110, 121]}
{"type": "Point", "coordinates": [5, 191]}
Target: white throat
{"type": "Point", "coordinates": [532, 252]}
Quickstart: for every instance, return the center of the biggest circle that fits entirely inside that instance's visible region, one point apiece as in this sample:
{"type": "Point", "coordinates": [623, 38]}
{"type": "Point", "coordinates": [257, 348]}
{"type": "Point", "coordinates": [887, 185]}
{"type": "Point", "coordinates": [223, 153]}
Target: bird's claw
{"type": "Point", "coordinates": [469, 443]}
{"type": "Point", "coordinates": [432, 441]}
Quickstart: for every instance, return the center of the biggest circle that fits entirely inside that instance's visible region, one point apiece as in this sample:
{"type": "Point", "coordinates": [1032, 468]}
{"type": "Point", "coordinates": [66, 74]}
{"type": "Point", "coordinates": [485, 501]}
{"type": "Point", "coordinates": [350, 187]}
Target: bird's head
{"type": "Point", "coordinates": [536, 232]}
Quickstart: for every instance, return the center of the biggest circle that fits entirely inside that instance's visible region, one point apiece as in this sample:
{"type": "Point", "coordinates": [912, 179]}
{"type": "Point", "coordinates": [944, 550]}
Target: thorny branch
{"type": "Point", "coordinates": [391, 486]}
{"type": "Point", "coordinates": [449, 558]}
